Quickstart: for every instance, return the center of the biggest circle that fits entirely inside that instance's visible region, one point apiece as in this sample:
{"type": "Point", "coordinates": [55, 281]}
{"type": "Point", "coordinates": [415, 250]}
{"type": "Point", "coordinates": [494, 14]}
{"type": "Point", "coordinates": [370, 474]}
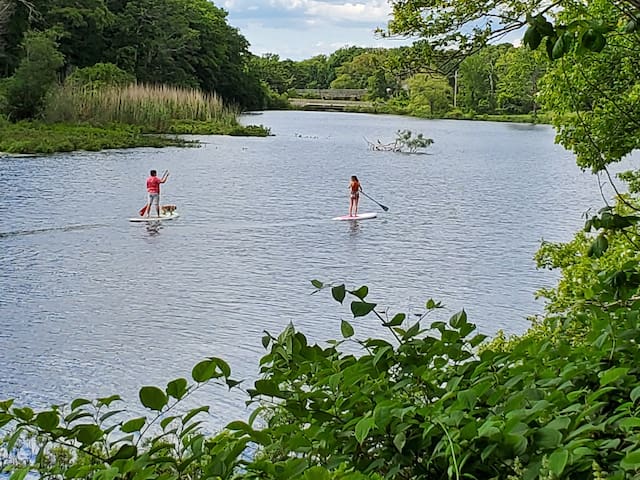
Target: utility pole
{"type": "Point", "coordinates": [455, 88]}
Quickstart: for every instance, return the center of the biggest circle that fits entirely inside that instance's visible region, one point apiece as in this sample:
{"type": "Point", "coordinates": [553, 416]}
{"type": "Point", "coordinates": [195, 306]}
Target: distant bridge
{"type": "Point", "coordinates": [333, 93]}
{"type": "Point", "coordinates": [328, 105]}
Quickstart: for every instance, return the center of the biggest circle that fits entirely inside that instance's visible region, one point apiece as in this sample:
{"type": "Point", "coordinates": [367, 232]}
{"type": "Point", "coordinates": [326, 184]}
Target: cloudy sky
{"type": "Point", "coordinates": [300, 29]}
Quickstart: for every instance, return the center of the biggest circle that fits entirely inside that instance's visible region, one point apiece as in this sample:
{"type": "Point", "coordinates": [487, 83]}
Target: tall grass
{"type": "Point", "coordinates": [152, 107]}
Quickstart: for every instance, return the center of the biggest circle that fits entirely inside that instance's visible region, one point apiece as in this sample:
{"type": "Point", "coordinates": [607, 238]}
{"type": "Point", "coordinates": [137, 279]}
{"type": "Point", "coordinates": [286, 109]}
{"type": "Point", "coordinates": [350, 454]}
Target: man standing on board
{"type": "Point", "coordinates": [153, 188]}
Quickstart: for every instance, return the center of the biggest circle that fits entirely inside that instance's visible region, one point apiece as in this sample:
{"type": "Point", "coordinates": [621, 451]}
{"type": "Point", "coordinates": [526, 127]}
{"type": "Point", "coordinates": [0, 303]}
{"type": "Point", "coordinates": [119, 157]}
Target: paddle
{"type": "Point", "coordinates": [143, 210]}
{"type": "Point", "coordinates": [385, 208]}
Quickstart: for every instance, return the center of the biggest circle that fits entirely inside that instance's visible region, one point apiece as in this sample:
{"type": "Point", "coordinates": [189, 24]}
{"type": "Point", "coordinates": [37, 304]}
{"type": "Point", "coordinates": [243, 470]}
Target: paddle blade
{"type": "Point", "coordinates": [386, 209]}
{"type": "Point", "coordinates": [143, 210]}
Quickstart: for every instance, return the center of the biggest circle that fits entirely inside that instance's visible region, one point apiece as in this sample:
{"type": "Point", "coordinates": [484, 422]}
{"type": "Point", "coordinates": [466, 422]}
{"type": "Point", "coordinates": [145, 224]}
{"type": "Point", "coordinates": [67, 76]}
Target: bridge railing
{"type": "Point", "coordinates": [332, 93]}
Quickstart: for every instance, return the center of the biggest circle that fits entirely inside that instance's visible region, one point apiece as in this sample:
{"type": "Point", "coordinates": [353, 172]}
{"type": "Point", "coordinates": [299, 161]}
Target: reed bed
{"type": "Point", "coordinates": [155, 108]}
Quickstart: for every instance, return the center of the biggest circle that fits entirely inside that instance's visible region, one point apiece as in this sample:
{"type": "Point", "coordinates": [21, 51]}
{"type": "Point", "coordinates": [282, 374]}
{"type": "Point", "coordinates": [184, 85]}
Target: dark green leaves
{"type": "Point", "coordinates": [360, 309]}
{"type": "Point", "coordinates": [153, 398]}
{"type": "Point", "coordinates": [177, 388]}
{"type": "Point", "coordinates": [338, 292]}
{"type": "Point", "coordinates": [346, 329]}
{"type": "Point", "coordinates": [209, 369]}
{"type": "Point", "coordinates": [47, 420]}
{"type": "Point", "coordinates": [133, 425]}
{"type": "Point", "coordinates": [593, 40]}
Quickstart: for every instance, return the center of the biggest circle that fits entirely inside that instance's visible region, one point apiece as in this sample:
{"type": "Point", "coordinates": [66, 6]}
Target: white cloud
{"type": "Point", "coordinates": [300, 29]}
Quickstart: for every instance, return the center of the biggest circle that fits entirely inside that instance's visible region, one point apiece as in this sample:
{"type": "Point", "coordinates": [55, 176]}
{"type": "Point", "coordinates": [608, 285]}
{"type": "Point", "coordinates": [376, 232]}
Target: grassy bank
{"type": "Point", "coordinates": [128, 116]}
{"type": "Point", "coordinates": [39, 137]}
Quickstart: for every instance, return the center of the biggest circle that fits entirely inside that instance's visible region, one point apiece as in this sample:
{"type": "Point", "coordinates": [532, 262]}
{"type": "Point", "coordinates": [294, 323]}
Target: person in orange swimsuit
{"type": "Point", "coordinates": [354, 195]}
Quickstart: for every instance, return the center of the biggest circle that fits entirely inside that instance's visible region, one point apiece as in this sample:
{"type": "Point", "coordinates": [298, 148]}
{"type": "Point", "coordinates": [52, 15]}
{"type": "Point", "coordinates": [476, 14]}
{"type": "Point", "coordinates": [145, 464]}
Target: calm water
{"type": "Point", "coordinates": [91, 304]}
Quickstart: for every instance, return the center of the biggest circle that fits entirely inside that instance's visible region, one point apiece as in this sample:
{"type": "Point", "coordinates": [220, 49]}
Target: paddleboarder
{"type": "Point", "coordinates": [153, 189]}
{"type": "Point", "coordinates": [354, 195]}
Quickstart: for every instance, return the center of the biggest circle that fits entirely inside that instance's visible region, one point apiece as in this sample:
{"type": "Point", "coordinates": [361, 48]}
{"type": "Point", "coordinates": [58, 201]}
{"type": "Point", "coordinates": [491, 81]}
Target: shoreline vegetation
{"type": "Point", "coordinates": [147, 125]}
{"type": "Point", "coordinates": [114, 117]}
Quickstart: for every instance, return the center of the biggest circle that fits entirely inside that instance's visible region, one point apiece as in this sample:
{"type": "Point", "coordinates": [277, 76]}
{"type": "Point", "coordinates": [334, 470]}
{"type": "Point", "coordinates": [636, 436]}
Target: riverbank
{"type": "Point", "coordinates": [362, 106]}
{"type": "Point", "coordinates": [42, 138]}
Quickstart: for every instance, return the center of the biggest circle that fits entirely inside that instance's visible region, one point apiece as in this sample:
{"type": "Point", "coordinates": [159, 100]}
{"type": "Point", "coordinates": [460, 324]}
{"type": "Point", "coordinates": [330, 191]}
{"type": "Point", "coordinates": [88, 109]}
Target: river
{"type": "Point", "coordinates": [92, 305]}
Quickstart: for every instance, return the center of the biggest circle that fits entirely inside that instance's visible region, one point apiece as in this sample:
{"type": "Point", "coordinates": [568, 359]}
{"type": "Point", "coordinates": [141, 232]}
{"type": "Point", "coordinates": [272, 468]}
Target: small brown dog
{"type": "Point", "coordinates": [167, 209]}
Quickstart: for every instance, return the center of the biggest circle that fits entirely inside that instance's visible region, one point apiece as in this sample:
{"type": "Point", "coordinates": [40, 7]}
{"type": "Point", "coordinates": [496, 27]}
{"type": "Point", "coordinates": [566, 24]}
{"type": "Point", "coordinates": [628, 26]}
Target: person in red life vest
{"type": "Point", "coordinates": [153, 188]}
{"type": "Point", "coordinates": [354, 195]}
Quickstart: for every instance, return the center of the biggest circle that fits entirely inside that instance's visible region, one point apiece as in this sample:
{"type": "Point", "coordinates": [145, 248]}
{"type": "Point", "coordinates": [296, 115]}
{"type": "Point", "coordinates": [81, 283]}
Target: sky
{"type": "Point", "coordinates": [301, 29]}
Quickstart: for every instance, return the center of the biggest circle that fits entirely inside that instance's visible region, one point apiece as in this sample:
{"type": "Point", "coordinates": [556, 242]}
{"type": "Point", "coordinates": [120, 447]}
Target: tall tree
{"type": "Point", "coordinates": [520, 70]}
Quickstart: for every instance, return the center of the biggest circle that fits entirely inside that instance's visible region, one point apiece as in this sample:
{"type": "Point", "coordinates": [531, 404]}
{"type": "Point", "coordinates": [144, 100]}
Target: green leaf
{"type": "Point", "coordinates": [399, 441]}
{"type": "Point", "coordinates": [133, 425]}
{"type": "Point", "coordinates": [557, 461]}
{"type": "Point", "coordinates": [317, 283]}
{"type": "Point", "coordinates": [599, 246]}
{"type": "Point", "coordinates": [106, 401]}
{"type": "Point", "coordinates": [630, 423]}
{"type": "Point", "coordinates": [360, 309]}
{"type": "Point", "coordinates": [558, 48]}
{"type": "Point", "coordinates": [78, 402]}
{"type": "Point", "coordinates": [177, 388]}
{"type": "Point", "coordinates": [547, 437]}
{"type": "Point", "coordinates": [346, 329]}
{"type": "Point", "coordinates": [153, 398]}
{"type": "Point", "coordinates": [612, 375]}
{"type": "Point", "coordinates": [203, 371]}
{"type": "Point", "coordinates": [532, 37]}
{"type": "Point", "coordinates": [363, 427]}
{"type": "Point", "coordinates": [594, 41]}
{"type": "Point", "coordinates": [631, 26]}
{"type": "Point", "coordinates": [5, 418]}
{"type": "Point", "coordinates": [47, 421]}
{"type": "Point", "coordinates": [458, 320]}
{"type": "Point", "coordinates": [361, 292]}
{"type": "Point", "coordinates": [396, 321]}
{"type": "Point", "coordinates": [87, 434]}
{"type": "Point", "coordinates": [19, 473]}
{"type": "Point", "coordinates": [25, 413]}
{"type": "Point", "coordinates": [124, 452]}
{"type": "Point", "coordinates": [339, 293]}
{"type": "Point", "coordinates": [631, 460]}
{"type": "Point", "coordinates": [635, 394]}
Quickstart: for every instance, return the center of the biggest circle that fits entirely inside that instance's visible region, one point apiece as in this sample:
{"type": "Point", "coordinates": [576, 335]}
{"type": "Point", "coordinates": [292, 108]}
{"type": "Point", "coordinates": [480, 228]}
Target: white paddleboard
{"type": "Point", "coordinates": [170, 216]}
{"type": "Point", "coordinates": [360, 216]}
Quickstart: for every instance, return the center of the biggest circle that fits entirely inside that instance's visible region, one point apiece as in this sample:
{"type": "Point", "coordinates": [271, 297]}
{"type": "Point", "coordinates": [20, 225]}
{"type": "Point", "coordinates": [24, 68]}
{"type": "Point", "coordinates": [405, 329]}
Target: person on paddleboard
{"type": "Point", "coordinates": [153, 189]}
{"type": "Point", "coordinates": [354, 195]}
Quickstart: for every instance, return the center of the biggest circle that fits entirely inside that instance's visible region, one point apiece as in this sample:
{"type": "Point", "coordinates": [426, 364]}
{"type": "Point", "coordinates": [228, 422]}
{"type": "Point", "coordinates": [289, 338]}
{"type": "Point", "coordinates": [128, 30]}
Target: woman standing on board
{"type": "Point", "coordinates": [153, 189]}
{"type": "Point", "coordinates": [354, 195]}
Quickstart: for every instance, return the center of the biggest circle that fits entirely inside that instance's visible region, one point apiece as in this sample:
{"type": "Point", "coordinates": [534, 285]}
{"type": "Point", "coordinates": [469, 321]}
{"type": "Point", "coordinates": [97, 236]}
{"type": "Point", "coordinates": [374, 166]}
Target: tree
{"type": "Point", "coordinates": [34, 77]}
{"type": "Point", "coordinates": [519, 70]}
{"type": "Point", "coordinates": [597, 95]}
{"type": "Point", "coordinates": [429, 94]}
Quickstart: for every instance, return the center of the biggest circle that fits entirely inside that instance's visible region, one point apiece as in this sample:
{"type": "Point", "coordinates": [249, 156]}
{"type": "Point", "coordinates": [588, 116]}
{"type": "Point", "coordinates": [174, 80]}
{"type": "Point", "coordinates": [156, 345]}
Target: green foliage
{"type": "Point", "coordinates": [429, 95]}
{"type": "Point", "coordinates": [100, 75]}
{"type": "Point", "coordinates": [37, 137]}
{"type": "Point", "coordinates": [185, 43]}
{"type": "Point", "coordinates": [405, 139]}
{"type": "Point", "coordinates": [94, 439]}
{"type": "Point", "coordinates": [596, 96]}
{"type": "Point", "coordinates": [27, 89]}
{"type": "Point", "coordinates": [425, 405]}
{"type": "Point", "coordinates": [425, 401]}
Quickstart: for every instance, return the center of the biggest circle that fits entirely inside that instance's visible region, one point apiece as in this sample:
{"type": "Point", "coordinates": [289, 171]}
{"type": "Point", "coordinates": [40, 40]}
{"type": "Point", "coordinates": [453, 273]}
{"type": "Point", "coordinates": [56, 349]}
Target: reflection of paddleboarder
{"type": "Point", "coordinates": [153, 188]}
{"type": "Point", "coordinates": [354, 195]}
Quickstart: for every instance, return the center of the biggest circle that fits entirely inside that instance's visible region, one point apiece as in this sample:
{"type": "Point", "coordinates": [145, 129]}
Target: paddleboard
{"type": "Point", "coordinates": [171, 216]}
{"type": "Point", "coordinates": [360, 216]}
